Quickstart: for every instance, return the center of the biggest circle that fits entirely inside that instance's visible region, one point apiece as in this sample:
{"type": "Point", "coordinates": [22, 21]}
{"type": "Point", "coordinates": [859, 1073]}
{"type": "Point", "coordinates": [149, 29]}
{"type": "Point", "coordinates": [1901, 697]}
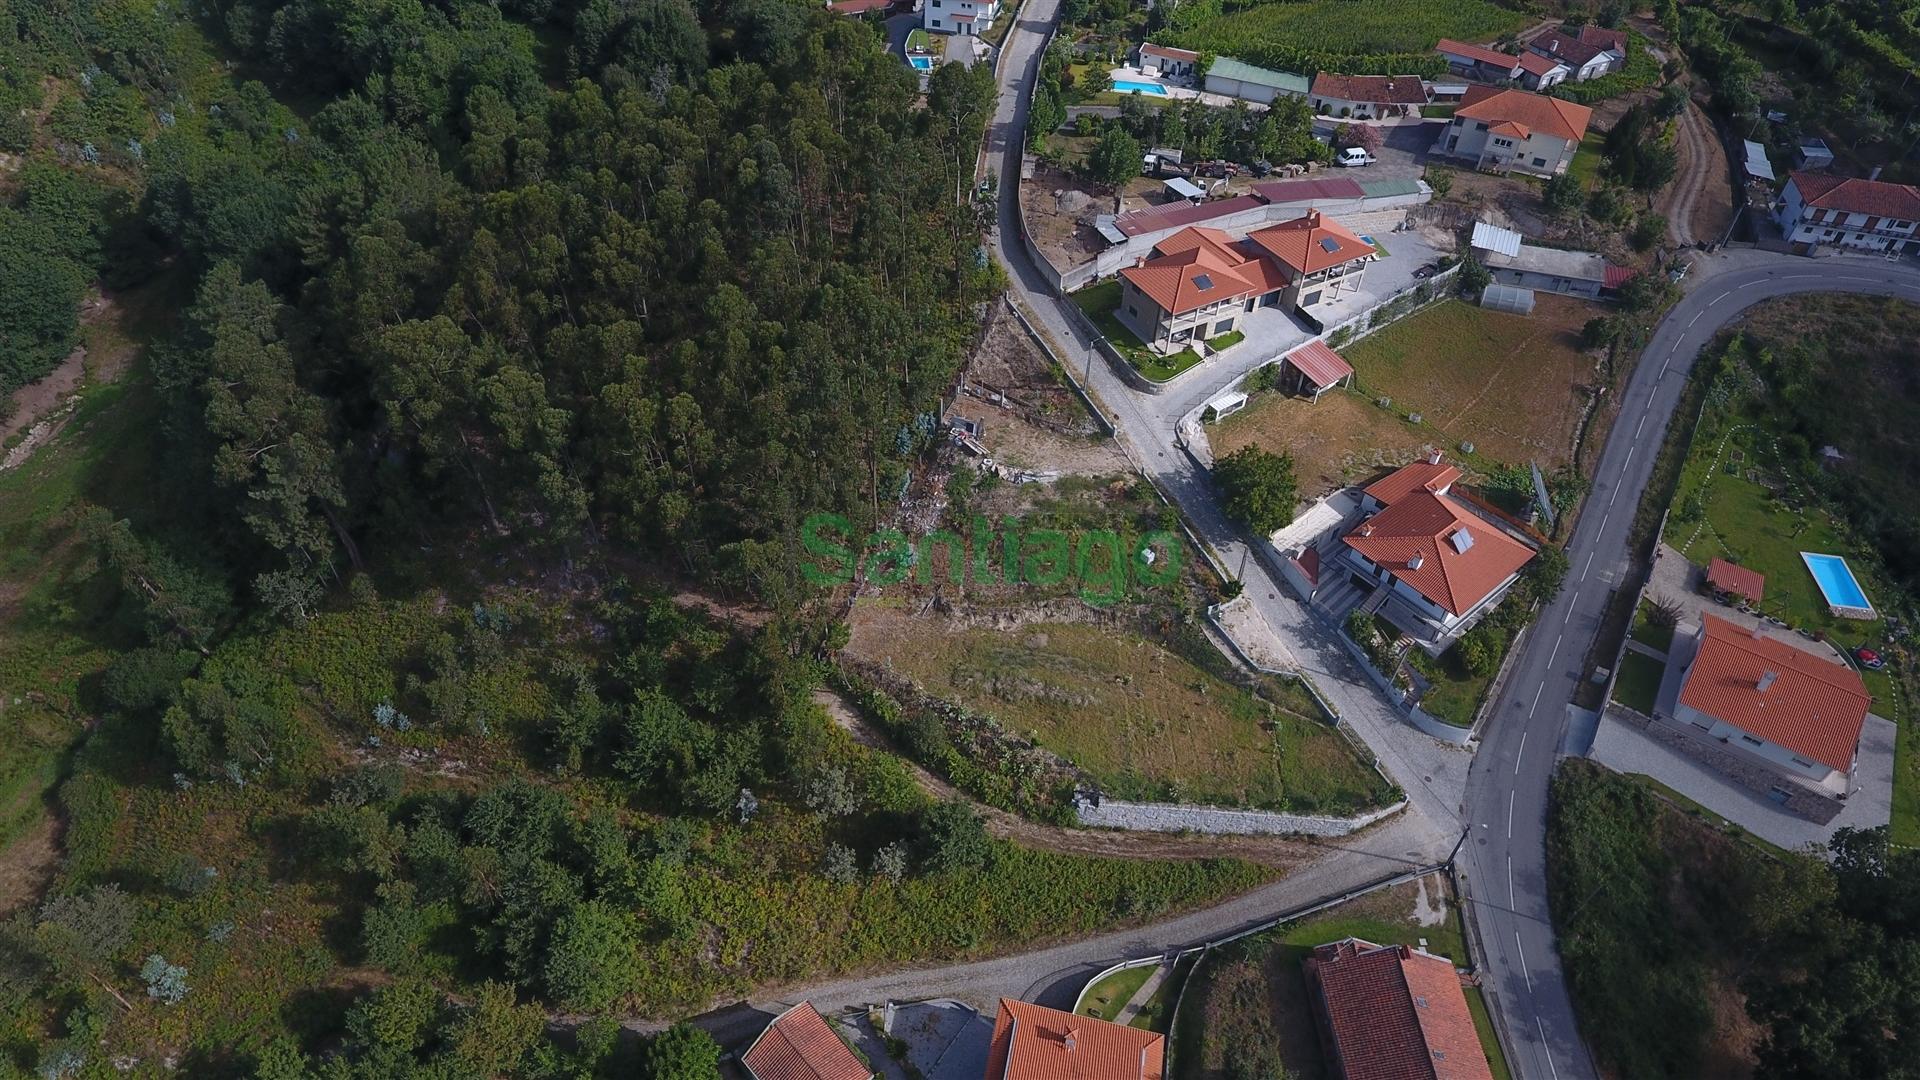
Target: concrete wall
{"type": "Point", "coordinates": [1741, 768]}
{"type": "Point", "coordinates": [1528, 279]}
{"type": "Point", "coordinates": [1169, 817]}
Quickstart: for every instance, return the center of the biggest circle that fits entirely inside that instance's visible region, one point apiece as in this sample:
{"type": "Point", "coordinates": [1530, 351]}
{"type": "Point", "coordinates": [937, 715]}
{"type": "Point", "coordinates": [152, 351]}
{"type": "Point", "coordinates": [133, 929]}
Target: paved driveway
{"type": "Point", "coordinates": [1403, 148]}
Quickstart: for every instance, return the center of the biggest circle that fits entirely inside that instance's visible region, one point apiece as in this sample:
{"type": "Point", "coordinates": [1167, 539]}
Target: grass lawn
{"type": "Point", "coordinates": [1639, 681]}
{"type": "Point", "coordinates": [1513, 385]}
{"type": "Point", "coordinates": [1226, 341]}
{"type": "Point", "coordinates": [1489, 1040]}
{"type": "Point", "coordinates": [1457, 693]}
{"type": "Point", "coordinates": [1099, 302]}
{"type": "Point", "coordinates": [1255, 991]}
{"type": "Point", "coordinates": [1437, 112]}
{"type": "Point", "coordinates": [1146, 722]}
{"type": "Point", "coordinates": [919, 41]}
{"type": "Point", "coordinates": [1103, 1000]}
{"type": "Point", "coordinates": [1585, 166]}
{"type": "Point", "coordinates": [1649, 633]}
{"type": "Point", "coordinates": [1156, 1014]}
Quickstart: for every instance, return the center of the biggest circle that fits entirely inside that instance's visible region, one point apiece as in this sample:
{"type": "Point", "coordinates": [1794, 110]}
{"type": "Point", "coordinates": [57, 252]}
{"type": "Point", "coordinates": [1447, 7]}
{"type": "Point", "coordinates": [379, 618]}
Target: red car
{"type": "Point", "coordinates": [1869, 659]}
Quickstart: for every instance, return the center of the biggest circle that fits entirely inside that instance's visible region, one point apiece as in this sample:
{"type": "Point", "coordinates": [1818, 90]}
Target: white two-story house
{"type": "Point", "coordinates": [1441, 566]}
{"type": "Point", "coordinates": [1503, 130]}
{"type": "Point", "coordinates": [965, 17]}
{"type": "Point", "coordinates": [1822, 210]}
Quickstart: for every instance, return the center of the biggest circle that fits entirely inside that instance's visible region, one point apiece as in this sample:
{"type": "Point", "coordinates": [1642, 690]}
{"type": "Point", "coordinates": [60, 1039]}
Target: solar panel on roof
{"type": "Point", "coordinates": [1202, 282]}
{"type": "Point", "coordinates": [1329, 244]}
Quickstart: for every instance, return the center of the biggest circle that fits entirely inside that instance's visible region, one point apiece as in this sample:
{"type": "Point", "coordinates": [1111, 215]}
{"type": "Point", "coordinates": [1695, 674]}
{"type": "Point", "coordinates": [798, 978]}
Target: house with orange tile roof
{"type": "Point", "coordinates": [1432, 566]}
{"type": "Point", "coordinates": [1032, 1042]}
{"type": "Point", "coordinates": [1818, 209]}
{"type": "Point", "coordinates": [1506, 130]}
{"type": "Point", "coordinates": [800, 1045]}
{"type": "Point", "coordinates": [1389, 1012]}
{"type": "Point", "coordinates": [1367, 97]}
{"type": "Point", "coordinates": [1200, 282]}
{"type": "Point", "coordinates": [1771, 703]}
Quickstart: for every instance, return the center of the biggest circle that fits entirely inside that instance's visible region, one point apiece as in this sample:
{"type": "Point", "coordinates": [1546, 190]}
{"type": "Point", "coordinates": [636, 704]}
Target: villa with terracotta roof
{"type": "Point", "coordinates": [1504, 130]}
{"type": "Point", "coordinates": [1367, 97]}
{"type": "Point", "coordinates": [1199, 282]}
{"type": "Point", "coordinates": [1795, 712]}
{"type": "Point", "coordinates": [800, 1045]}
{"type": "Point", "coordinates": [1818, 209]}
{"type": "Point", "coordinates": [1477, 61]}
{"type": "Point", "coordinates": [1389, 1012]}
{"type": "Point", "coordinates": [1032, 1042]}
{"type": "Point", "coordinates": [1433, 567]}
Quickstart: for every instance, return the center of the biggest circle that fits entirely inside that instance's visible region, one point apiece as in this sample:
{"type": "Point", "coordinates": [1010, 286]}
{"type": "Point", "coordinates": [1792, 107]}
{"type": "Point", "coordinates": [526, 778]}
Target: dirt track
{"type": "Point", "coordinates": [1697, 204]}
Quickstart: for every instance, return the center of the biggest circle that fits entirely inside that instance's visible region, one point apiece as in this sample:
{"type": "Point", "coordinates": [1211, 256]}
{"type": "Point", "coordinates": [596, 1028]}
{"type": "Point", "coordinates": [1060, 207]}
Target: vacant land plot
{"type": "Point", "coordinates": [1515, 386]}
{"type": "Point", "coordinates": [1639, 682]}
{"type": "Point", "coordinates": [1248, 1011]}
{"type": "Point", "coordinates": [1030, 418]}
{"type": "Point", "coordinates": [1145, 721]}
{"type": "Point", "coordinates": [1335, 441]}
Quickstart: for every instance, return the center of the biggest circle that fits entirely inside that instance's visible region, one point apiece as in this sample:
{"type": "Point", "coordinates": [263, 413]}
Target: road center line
{"type": "Point", "coordinates": [1589, 566]}
{"type": "Point", "coordinates": [1510, 902]}
{"type": "Point", "coordinates": [1510, 798]}
{"type": "Point", "coordinates": [1642, 424]}
{"type": "Point", "coordinates": [1629, 457]}
{"type": "Point", "coordinates": [1523, 962]}
{"type": "Point", "coordinates": [1544, 1048]}
{"type": "Point", "coordinates": [1556, 648]}
{"type": "Point", "coordinates": [1517, 754]}
{"type": "Point", "coordinates": [1536, 708]}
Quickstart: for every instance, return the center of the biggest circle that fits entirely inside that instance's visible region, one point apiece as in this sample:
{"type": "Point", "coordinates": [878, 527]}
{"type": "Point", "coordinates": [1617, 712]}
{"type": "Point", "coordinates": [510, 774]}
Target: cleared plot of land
{"type": "Point", "coordinates": [1639, 682]}
{"type": "Point", "coordinates": [1342, 438]}
{"type": "Point", "coordinates": [1513, 385]}
{"type": "Point", "coordinates": [1248, 1011]}
{"type": "Point", "coordinates": [1145, 721]}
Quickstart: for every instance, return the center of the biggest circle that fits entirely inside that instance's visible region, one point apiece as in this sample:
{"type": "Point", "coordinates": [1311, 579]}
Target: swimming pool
{"type": "Point", "coordinates": [1128, 86]}
{"type": "Point", "coordinates": [921, 63]}
{"type": "Point", "coordinates": [1844, 596]}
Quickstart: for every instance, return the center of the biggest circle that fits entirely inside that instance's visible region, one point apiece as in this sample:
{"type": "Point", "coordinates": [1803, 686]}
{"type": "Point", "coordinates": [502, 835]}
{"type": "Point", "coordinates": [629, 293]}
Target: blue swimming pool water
{"type": "Point", "coordinates": [1836, 581]}
{"type": "Point", "coordinates": [921, 63]}
{"type": "Point", "coordinates": [1129, 86]}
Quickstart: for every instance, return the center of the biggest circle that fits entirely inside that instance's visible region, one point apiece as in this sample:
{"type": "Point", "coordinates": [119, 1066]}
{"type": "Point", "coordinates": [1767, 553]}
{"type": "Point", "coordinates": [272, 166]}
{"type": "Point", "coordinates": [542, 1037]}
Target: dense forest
{"type": "Point", "coordinates": [482, 328]}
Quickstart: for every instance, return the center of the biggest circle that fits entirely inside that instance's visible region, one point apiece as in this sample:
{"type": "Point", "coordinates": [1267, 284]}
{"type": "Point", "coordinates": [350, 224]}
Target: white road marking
{"type": "Point", "coordinates": [1523, 961]}
{"type": "Point", "coordinates": [1556, 647]}
{"type": "Point", "coordinates": [1518, 753]}
{"type": "Point", "coordinates": [1544, 1048]}
{"type": "Point", "coordinates": [1510, 796]}
{"type": "Point", "coordinates": [1629, 457]}
{"type": "Point", "coordinates": [1603, 523]}
{"type": "Point", "coordinates": [1510, 902]}
{"type": "Point", "coordinates": [1589, 566]}
{"type": "Point", "coordinates": [1611, 499]}
{"type": "Point", "coordinates": [1643, 423]}
{"type": "Point", "coordinates": [1534, 709]}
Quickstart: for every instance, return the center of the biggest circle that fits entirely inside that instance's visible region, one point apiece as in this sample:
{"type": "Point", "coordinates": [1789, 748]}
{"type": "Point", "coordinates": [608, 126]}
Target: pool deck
{"type": "Point", "coordinates": [1174, 91]}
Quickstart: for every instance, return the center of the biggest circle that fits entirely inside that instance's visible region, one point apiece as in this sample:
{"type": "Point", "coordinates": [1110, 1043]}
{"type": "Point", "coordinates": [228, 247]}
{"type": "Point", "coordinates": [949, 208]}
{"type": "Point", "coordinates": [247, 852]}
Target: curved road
{"type": "Point", "coordinates": [1505, 862]}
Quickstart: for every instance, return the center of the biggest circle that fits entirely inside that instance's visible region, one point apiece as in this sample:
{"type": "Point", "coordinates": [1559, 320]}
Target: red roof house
{"type": "Point", "coordinates": [1465, 54]}
{"type": "Point", "coordinates": [1032, 1042]}
{"type": "Point", "coordinates": [1387, 1012]}
{"type": "Point", "coordinates": [1549, 115]}
{"type": "Point", "coordinates": [1852, 195]}
{"type": "Point", "coordinates": [1736, 579]}
{"type": "Point", "coordinates": [1367, 95]}
{"type": "Point", "coordinates": [1198, 266]}
{"type": "Point", "coordinates": [1310, 243]}
{"type": "Point", "coordinates": [1773, 691]}
{"type": "Point", "coordinates": [799, 1045]}
{"type": "Point", "coordinates": [1426, 541]}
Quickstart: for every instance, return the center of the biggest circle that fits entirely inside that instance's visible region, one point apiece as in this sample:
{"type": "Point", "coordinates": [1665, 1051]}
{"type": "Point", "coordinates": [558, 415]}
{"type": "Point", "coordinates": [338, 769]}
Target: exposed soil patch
{"type": "Point", "coordinates": [1059, 208]}
{"type": "Point", "coordinates": [39, 409]}
{"type": "Point", "coordinates": [27, 864]}
{"type": "Point", "coordinates": [1028, 415]}
{"type": "Point", "coordinates": [1698, 204]}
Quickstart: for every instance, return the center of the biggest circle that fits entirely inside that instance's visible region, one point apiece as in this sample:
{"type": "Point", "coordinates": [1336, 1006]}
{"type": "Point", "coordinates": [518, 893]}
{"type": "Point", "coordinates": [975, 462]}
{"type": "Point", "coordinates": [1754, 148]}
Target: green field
{"type": "Point", "coordinates": [1144, 720]}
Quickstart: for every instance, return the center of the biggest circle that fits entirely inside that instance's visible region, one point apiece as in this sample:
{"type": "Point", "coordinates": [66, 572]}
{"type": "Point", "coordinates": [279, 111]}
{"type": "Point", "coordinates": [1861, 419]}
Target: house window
{"type": "Point", "coordinates": [1222, 326]}
{"type": "Point", "coordinates": [1539, 163]}
{"type": "Point", "coordinates": [1132, 312]}
{"type": "Point", "coordinates": [1479, 125]}
{"type": "Point", "coordinates": [1752, 740]}
{"type": "Point", "coordinates": [936, 24]}
{"type": "Point", "coordinates": [1503, 142]}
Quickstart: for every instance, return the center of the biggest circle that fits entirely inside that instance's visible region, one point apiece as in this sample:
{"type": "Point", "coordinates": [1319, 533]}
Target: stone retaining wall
{"type": "Point", "coordinates": [1168, 817]}
{"type": "Point", "coordinates": [1735, 766]}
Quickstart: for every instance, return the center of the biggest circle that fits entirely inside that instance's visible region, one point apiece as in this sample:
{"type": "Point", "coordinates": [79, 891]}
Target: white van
{"type": "Point", "coordinates": [1353, 157]}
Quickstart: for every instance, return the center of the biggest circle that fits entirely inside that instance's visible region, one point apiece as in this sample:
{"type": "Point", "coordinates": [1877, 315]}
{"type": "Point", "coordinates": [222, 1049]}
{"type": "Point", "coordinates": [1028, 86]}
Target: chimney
{"type": "Point", "coordinates": [1433, 456]}
{"type": "Point", "coordinates": [1070, 1038]}
{"type": "Point", "coordinates": [1416, 562]}
{"type": "Point", "coordinates": [1766, 680]}
{"type": "Point", "coordinates": [1313, 219]}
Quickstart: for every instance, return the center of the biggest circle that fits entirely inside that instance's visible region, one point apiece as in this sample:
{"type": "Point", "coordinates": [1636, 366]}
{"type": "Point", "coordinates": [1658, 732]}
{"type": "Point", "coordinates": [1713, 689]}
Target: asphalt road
{"type": "Point", "coordinates": [1505, 861]}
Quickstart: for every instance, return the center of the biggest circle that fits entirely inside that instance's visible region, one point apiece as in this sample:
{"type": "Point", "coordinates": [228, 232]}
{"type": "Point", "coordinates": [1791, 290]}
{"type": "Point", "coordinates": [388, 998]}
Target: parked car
{"type": "Point", "coordinates": [1427, 271]}
{"type": "Point", "coordinates": [1869, 659]}
{"type": "Point", "coordinates": [1353, 157]}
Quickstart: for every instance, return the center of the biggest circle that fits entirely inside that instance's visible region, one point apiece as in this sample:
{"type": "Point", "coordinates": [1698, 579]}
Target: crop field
{"type": "Point", "coordinates": [1341, 34]}
{"type": "Point", "coordinates": [1144, 720]}
{"type": "Point", "coordinates": [1513, 385]}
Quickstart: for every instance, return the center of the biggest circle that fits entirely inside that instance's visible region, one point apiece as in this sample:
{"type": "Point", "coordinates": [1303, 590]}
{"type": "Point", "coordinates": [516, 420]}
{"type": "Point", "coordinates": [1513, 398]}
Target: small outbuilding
{"type": "Point", "coordinates": [1180, 187]}
{"type": "Point", "coordinates": [1731, 579]}
{"type": "Point", "coordinates": [1313, 369]}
